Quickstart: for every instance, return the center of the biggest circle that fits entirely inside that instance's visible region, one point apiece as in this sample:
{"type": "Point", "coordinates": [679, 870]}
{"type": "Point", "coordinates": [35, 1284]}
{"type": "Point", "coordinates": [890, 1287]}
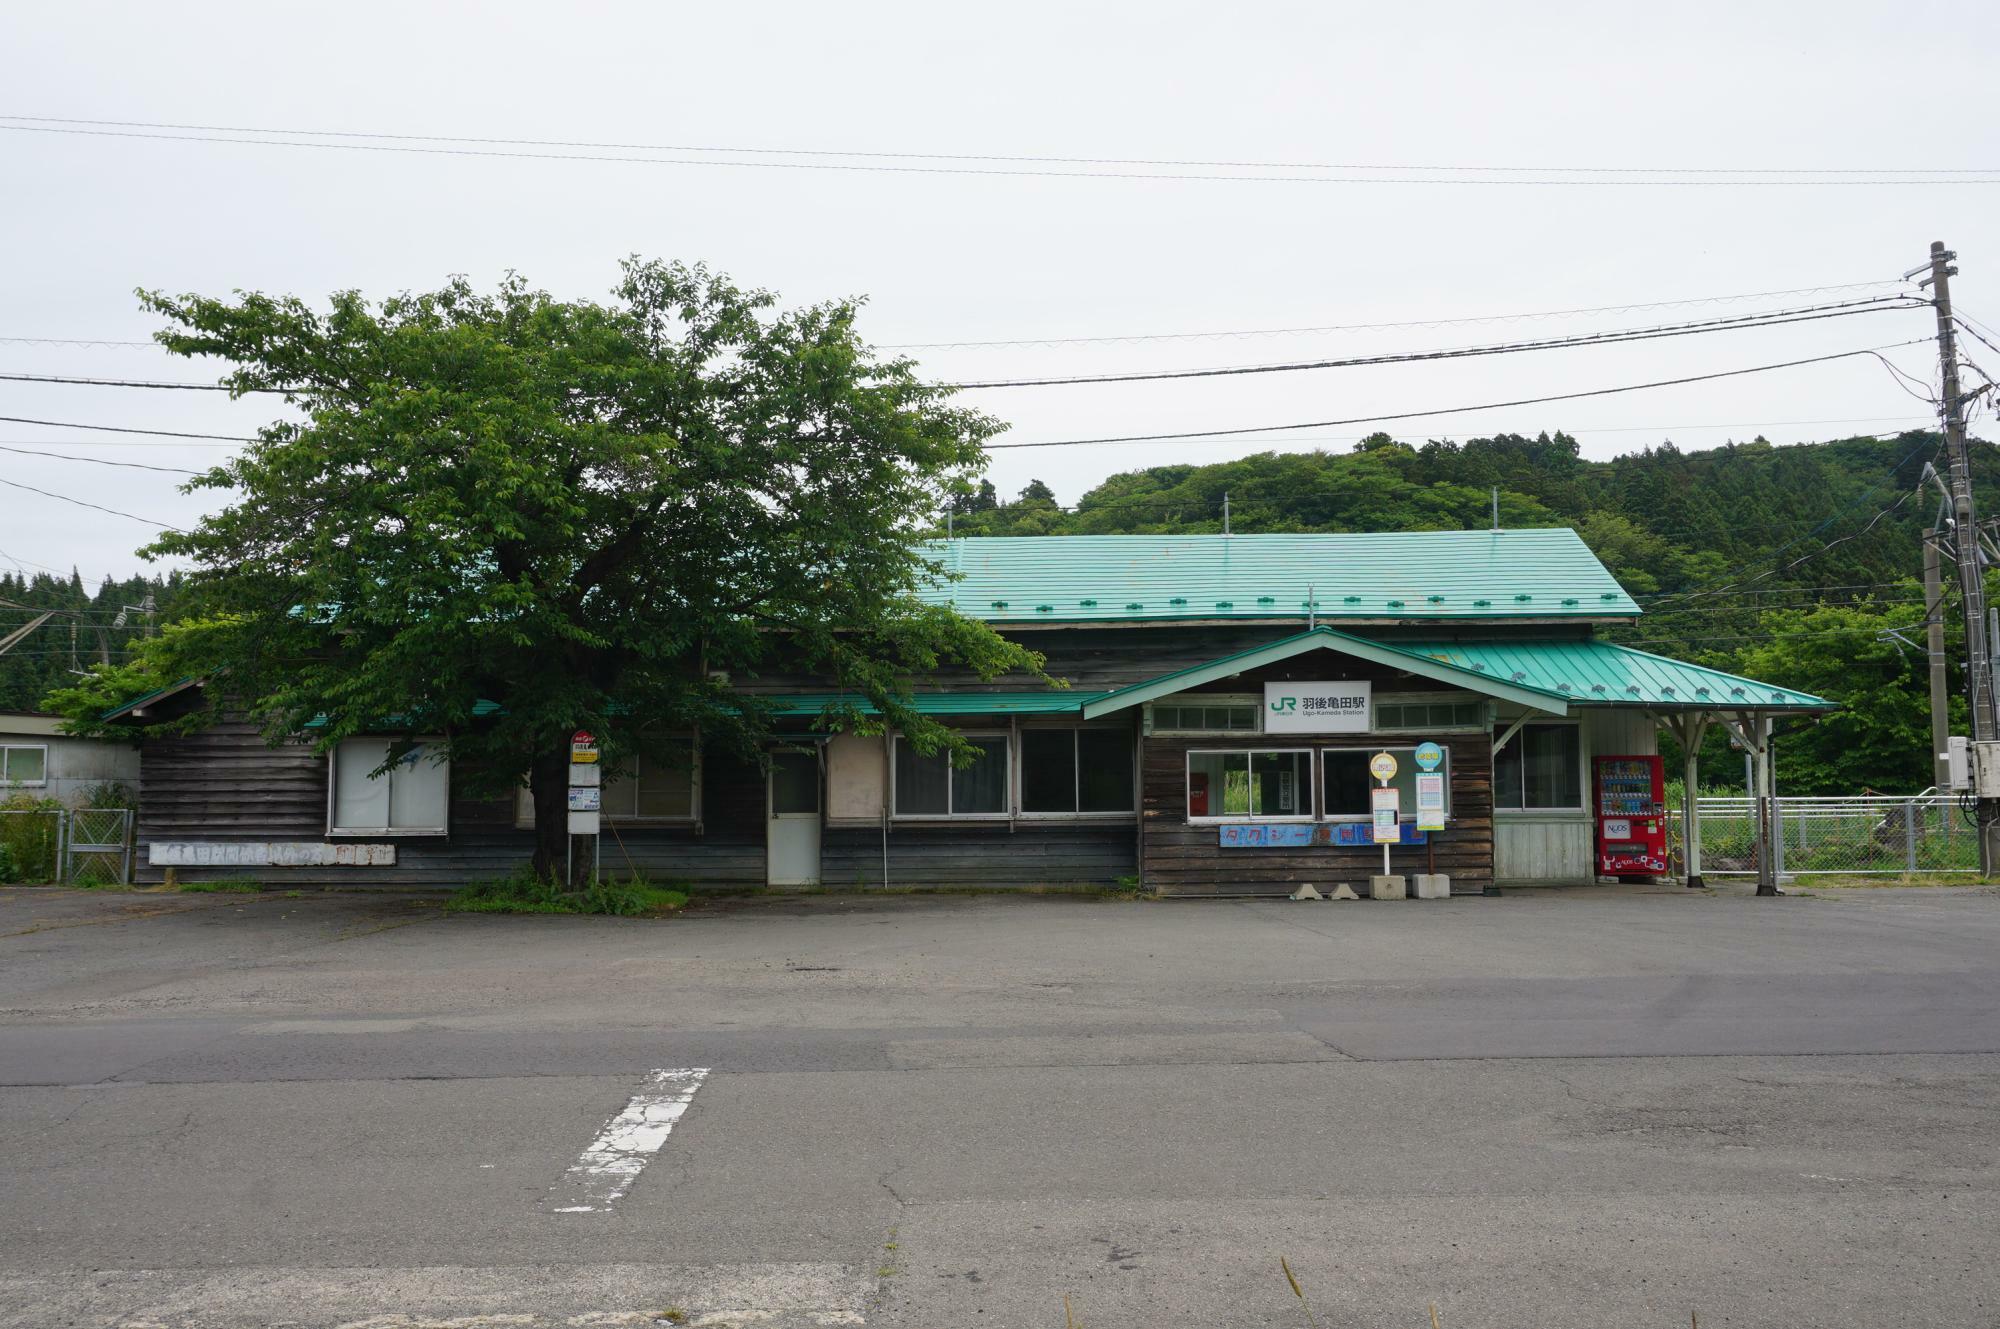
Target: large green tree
{"type": "Point", "coordinates": [596, 515]}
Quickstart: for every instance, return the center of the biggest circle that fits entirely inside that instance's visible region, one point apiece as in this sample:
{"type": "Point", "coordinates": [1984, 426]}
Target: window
{"type": "Point", "coordinates": [929, 787]}
{"type": "Point", "coordinates": [1076, 771]}
{"type": "Point", "coordinates": [410, 798]}
{"type": "Point", "coordinates": [1220, 717]}
{"type": "Point", "coordinates": [1541, 767]}
{"type": "Point", "coordinates": [1430, 715]}
{"type": "Point", "coordinates": [1268, 785]}
{"type": "Point", "coordinates": [655, 789]}
{"type": "Point", "coordinates": [23, 765]}
{"type": "Point", "coordinates": [1345, 782]}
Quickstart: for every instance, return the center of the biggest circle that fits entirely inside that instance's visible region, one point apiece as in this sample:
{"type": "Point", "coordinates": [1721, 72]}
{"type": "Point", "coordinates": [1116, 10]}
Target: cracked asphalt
{"type": "Point", "coordinates": [1580, 1107]}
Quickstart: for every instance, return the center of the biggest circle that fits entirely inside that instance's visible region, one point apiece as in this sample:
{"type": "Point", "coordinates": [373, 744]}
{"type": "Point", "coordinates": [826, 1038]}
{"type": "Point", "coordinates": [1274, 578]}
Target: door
{"type": "Point", "coordinates": [791, 831]}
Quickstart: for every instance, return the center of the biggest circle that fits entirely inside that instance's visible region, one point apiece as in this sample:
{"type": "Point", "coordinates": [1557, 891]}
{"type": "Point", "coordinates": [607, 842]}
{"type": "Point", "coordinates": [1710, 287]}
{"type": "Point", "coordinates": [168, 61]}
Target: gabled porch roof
{"type": "Point", "coordinates": [1548, 676]}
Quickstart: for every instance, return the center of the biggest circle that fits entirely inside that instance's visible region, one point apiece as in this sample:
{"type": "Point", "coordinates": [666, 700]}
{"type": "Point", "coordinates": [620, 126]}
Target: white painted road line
{"type": "Point", "coordinates": [628, 1141]}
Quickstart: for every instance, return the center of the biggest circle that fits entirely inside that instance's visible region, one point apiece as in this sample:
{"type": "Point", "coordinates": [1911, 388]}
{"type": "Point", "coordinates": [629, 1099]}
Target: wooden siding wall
{"type": "Point", "coordinates": [1185, 859]}
{"type": "Point", "coordinates": [1035, 853]}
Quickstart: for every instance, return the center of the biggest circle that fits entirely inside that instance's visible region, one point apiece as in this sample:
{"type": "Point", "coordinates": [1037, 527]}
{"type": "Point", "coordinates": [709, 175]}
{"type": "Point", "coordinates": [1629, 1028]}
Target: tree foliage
{"type": "Point", "coordinates": [594, 515]}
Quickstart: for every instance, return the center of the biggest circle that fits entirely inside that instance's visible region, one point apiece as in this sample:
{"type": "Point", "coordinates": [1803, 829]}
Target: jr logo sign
{"type": "Point", "coordinates": [1317, 708]}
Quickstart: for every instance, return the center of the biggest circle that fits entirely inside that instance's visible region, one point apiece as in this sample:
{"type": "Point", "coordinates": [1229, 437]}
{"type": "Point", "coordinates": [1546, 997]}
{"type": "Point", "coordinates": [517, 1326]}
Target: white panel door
{"type": "Point", "coordinates": [791, 830]}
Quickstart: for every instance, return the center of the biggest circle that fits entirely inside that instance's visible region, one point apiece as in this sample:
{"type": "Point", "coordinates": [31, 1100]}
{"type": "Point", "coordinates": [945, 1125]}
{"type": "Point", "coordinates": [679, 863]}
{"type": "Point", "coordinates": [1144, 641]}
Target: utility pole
{"type": "Point", "coordinates": [1934, 642]}
{"type": "Point", "coordinates": [1965, 550]}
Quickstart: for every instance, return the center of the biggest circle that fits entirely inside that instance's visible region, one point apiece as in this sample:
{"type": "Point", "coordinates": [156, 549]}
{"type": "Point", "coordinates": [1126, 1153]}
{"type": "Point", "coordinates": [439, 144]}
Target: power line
{"type": "Point", "coordinates": [100, 461]}
{"type": "Point", "coordinates": [1773, 318]}
{"type": "Point", "coordinates": [1371, 327]}
{"type": "Point", "coordinates": [1448, 410]}
{"type": "Point", "coordinates": [133, 382]}
{"type": "Point", "coordinates": [121, 429]}
{"type": "Point", "coordinates": [115, 343]}
{"type": "Point", "coordinates": [16, 484]}
{"type": "Point", "coordinates": [1350, 172]}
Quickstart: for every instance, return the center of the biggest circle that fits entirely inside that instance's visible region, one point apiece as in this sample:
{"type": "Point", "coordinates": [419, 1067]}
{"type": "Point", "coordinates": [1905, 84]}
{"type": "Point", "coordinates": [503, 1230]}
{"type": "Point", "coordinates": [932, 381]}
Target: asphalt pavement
{"type": "Point", "coordinates": [1582, 1107]}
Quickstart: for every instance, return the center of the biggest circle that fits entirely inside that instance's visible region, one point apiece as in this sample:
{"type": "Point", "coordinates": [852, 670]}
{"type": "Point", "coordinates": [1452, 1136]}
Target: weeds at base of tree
{"type": "Point", "coordinates": [525, 893]}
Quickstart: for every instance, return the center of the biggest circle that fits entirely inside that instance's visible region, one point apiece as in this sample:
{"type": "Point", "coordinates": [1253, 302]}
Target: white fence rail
{"type": "Point", "coordinates": [1864, 835]}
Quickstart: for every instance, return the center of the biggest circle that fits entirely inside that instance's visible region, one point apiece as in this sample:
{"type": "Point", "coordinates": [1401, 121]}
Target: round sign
{"type": "Point", "coordinates": [1429, 755]}
{"type": "Point", "coordinates": [1382, 766]}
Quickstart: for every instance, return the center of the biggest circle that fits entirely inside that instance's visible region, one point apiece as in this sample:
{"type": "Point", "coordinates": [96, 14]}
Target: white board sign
{"type": "Point", "coordinates": [1430, 801]}
{"type": "Point", "coordinates": [1317, 708]}
{"type": "Point", "coordinates": [583, 823]}
{"type": "Point", "coordinates": [1386, 804]}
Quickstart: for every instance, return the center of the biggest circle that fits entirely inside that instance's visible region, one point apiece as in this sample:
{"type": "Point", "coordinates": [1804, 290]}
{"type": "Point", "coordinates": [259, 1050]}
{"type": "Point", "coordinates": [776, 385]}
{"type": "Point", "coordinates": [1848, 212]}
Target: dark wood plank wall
{"type": "Point", "coordinates": [1184, 859]}
{"type": "Point", "coordinates": [1034, 853]}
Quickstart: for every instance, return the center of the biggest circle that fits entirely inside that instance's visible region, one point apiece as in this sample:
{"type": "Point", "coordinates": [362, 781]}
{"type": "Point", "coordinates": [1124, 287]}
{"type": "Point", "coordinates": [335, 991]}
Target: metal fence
{"type": "Point", "coordinates": [85, 847]}
{"type": "Point", "coordinates": [1871, 835]}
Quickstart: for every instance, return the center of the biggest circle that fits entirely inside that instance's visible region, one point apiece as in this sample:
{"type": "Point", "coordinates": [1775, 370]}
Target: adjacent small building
{"type": "Point", "coordinates": [39, 760]}
{"type": "Point", "coordinates": [1225, 698]}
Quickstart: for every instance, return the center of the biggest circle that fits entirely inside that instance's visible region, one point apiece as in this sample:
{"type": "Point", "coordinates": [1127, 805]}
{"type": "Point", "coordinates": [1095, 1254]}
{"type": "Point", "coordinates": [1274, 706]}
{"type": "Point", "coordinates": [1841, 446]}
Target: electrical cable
{"type": "Point", "coordinates": [387, 142]}
{"type": "Point", "coordinates": [16, 484]}
{"type": "Point", "coordinates": [100, 461]}
{"type": "Point", "coordinates": [1368, 327]}
{"type": "Point", "coordinates": [120, 429]}
{"type": "Point", "coordinates": [1449, 410]}
{"type": "Point", "coordinates": [1775, 318]}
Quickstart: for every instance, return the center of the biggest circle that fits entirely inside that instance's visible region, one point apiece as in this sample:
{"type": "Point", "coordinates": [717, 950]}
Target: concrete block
{"type": "Point", "coordinates": [1343, 892]}
{"type": "Point", "coordinates": [1306, 892]}
{"type": "Point", "coordinates": [1431, 886]}
{"type": "Point", "coordinates": [1386, 888]}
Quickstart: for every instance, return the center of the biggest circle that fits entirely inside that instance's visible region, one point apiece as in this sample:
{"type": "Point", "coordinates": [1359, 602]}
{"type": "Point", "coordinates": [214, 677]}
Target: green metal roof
{"type": "Point", "coordinates": [1587, 671]}
{"type": "Point", "coordinates": [1406, 575]}
{"type": "Point", "coordinates": [1046, 702]}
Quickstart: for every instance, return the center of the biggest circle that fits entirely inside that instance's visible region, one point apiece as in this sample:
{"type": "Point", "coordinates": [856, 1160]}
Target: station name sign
{"type": "Point", "coordinates": [1318, 708]}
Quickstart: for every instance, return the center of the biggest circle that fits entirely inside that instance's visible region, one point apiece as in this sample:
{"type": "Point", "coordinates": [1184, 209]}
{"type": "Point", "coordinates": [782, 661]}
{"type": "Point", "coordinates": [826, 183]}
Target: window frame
{"type": "Point", "coordinates": [1076, 772]}
{"type": "Point", "coordinates": [524, 797]}
{"type": "Point", "coordinates": [1483, 704]}
{"type": "Point", "coordinates": [6, 749]}
{"type": "Point", "coordinates": [443, 767]}
{"type": "Point", "coordinates": [1006, 813]}
{"type": "Point", "coordinates": [1581, 806]}
{"type": "Point", "coordinates": [1180, 701]}
{"type": "Point", "coordinates": [1311, 785]}
{"type": "Point", "coordinates": [1405, 762]}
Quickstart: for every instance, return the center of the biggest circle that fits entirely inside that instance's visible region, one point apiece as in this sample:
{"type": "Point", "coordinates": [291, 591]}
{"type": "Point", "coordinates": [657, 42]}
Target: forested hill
{"type": "Point", "coordinates": [85, 630]}
{"type": "Point", "coordinates": [1785, 563]}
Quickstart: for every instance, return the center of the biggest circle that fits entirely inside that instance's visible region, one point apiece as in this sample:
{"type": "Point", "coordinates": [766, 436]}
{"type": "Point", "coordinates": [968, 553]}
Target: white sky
{"type": "Point", "coordinates": [84, 220]}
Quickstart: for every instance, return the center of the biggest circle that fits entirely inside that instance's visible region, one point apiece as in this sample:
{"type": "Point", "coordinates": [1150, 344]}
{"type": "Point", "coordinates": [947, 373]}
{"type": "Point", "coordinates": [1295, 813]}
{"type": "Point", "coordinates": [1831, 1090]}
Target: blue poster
{"type": "Point", "coordinates": [1293, 834]}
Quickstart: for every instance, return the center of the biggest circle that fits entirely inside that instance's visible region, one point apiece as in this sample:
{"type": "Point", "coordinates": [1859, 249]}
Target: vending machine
{"type": "Point", "coordinates": [1630, 803]}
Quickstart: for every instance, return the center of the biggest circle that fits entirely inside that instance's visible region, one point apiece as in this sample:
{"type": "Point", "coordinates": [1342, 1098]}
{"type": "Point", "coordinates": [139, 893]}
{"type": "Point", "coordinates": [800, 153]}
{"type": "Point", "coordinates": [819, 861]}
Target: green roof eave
{"type": "Point", "coordinates": [1589, 672]}
{"type": "Point", "coordinates": [1424, 666]}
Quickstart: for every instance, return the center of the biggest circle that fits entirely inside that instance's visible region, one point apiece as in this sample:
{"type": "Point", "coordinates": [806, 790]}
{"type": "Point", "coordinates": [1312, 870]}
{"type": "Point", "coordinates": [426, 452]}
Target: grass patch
{"type": "Point", "coordinates": [233, 885]}
{"type": "Point", "coordinates": [525, 893]}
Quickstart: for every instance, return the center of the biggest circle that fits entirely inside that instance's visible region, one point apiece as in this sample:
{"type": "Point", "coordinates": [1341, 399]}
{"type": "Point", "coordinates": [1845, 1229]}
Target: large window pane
{"type": "Point", "coordinates": [1104, 770]}
{"type": "Point", "coordinates": [794, 782]}
{"type": "Point", "coordinates": [664, 786]}
{"type": "Point", "coordinates": [1507, 775]}
{"type": "Point", "coordinates": [1279, 784]}
{"type": "Point", "coordinates": [1551, 770]}
{"type": "Point", "coordinates": [1235, 784]}
{"type": "Point", "coordinates": [1048, 770]}
{"type": "Point", "coordinates": [923, 784]}
{"type": "Point", "coordinates": [1345, 782]}
{"type": "Point", "coordinates": [359, 801]}
{"type": "Point", "coordinates": [1204, 791]}
{"type": "Point", "coordinates": [982, 786]}
{"type": "Point", "coordinates": [419, 791]}
{"type": "Point", "coordinates": [25, 765]}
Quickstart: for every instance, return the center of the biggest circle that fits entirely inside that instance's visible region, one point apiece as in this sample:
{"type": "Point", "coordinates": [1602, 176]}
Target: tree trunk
{"type": "Point", "coordinates": [548, 783]}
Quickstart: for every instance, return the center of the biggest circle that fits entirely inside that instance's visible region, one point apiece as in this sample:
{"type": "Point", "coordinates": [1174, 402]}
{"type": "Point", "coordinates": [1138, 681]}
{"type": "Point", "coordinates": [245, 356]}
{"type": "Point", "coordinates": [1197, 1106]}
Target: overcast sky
{"type": "Point", "coordinates": [942, 257]}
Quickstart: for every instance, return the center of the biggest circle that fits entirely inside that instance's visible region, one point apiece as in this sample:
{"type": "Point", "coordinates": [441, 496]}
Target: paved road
{"type": "Point", "coordinates": [1575, 1108]}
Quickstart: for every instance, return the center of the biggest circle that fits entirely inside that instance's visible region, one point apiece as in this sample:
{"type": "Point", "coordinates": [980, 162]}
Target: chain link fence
{"type": "Point", "coordinates": [58, 846]}
{"type": "Point", "coordinates": [1864, 835]}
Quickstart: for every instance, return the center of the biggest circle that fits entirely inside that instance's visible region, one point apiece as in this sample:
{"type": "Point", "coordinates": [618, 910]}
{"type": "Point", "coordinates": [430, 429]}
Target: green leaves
{"type": "Point", "coordinates": [580, 511]}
